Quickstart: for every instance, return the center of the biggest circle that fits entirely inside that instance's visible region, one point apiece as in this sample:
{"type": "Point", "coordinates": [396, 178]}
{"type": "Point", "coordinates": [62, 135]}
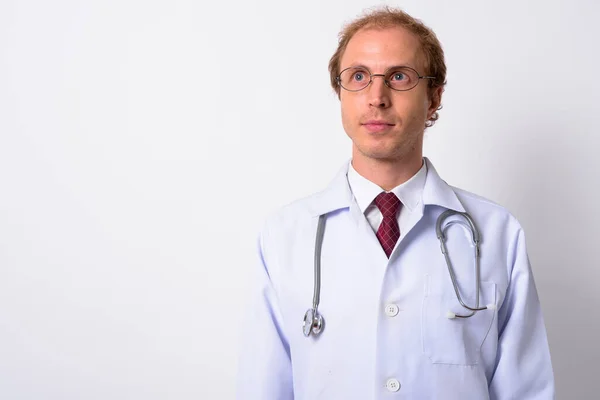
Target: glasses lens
{"type": "Point", "coordinates": [402, 78]}
{"type": "Point", "coordinates": [354, 78]}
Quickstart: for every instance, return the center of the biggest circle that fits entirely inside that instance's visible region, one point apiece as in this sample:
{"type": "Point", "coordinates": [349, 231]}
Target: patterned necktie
{"type": "Point", "coordinates": [389, 231]}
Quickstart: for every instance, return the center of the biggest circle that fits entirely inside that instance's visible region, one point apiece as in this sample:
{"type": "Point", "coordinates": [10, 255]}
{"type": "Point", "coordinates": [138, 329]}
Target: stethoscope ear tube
{"type": "Point", "coordinates": [476, 241]}
{"type": "Point", "coordinates": [440, 233]}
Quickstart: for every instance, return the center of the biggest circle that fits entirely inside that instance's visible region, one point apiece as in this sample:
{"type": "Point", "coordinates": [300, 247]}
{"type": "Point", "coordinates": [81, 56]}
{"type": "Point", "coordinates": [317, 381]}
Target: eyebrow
{"type": "Point", "coordinates": [356, 65]}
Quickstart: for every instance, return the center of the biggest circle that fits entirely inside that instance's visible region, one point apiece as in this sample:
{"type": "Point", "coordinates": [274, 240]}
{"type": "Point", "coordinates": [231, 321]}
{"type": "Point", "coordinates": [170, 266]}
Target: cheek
{"type": "Point", "coordinates": [415, 109]}
{"type": "Point", "coordinates": [347, 121]}
{"type": "Point", "coordinates": [349, 110]}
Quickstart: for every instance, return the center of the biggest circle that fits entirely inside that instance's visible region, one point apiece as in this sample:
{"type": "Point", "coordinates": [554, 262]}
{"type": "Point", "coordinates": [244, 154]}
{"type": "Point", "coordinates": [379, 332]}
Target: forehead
{"type": "Point", "coordinates": [380, 48]}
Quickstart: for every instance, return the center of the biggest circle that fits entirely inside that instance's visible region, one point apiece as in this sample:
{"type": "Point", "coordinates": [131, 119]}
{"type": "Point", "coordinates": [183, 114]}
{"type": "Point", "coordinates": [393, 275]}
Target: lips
{"type": "Point", "coordinates": [377, 125]}
{"type": "Point", "coordinates": [378, 122]}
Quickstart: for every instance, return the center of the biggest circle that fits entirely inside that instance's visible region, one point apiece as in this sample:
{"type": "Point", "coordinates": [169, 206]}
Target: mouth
{"type": "Point", "coordinates": [377, 125]}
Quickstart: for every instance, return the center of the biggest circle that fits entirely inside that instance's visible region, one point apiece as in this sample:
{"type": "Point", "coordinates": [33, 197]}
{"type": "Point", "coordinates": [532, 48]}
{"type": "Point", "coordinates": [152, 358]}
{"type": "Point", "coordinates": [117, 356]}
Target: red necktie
{"type": "Point", "coordinates": [389, 231]}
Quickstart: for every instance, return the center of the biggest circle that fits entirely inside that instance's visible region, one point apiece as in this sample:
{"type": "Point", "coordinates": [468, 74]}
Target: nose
{"type": "Point", "coordinates": [379, 92]}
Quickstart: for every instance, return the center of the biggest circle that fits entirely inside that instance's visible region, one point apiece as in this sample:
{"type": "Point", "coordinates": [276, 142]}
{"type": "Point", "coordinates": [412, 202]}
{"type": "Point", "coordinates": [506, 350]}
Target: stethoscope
{"type": "Point", "coordinates": [313, 320]}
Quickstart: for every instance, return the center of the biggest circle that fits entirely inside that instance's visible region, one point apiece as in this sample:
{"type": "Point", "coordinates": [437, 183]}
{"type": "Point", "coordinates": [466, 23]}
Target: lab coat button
{"type": "Point", "coordinates": [391, 310]}
{"type": "Point", "coordinates": [392, 385]}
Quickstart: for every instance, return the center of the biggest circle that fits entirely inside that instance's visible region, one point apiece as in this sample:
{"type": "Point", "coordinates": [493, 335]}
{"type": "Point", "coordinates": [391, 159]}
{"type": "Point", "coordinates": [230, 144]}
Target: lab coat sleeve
{"type": "Point", "coordinates": [523, 367]}
{"type": "Point", "coordinates": [264, 365]}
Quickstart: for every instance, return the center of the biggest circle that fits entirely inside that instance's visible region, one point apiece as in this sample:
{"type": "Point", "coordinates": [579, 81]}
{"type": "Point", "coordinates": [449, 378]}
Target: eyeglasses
{"type": "Point", "coordinates": [354, 79]}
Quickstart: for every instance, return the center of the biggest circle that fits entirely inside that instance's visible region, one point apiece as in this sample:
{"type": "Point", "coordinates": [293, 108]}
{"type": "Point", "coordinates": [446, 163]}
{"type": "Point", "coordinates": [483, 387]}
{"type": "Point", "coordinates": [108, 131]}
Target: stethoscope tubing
{"type": "Point", "coordinates": [318, 244]}
{"type": "Point", "coordinates": [476, 237]}
{"type": "Point", "coordinates": [313, 320]}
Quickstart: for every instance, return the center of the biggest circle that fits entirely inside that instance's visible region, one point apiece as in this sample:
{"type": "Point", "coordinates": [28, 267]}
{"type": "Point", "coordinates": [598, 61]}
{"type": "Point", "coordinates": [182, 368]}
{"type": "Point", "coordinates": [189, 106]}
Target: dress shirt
{"type": "Point", "coordinates": [410, 194]}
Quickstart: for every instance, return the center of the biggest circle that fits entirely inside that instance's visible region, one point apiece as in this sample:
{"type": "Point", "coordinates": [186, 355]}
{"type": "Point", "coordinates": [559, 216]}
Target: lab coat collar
{"type": "Point", "coordinates": [338, 195]}
{"type": "Point", "coordinates": [409, 192]}
{"type": "Point", "coordinates": [437, 192]}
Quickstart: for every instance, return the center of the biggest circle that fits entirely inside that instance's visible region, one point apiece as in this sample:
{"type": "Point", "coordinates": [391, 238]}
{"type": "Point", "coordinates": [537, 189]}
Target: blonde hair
{"type": "Point", "coordinates": [388, 17]}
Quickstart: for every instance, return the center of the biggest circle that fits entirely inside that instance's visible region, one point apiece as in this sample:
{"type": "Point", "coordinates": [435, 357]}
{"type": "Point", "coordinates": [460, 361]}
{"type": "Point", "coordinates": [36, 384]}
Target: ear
{"type": "Point", "coordinates": [435, 99]}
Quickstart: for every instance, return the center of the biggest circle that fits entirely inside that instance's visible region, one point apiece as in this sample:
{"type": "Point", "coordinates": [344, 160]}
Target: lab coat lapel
{"type": "Point", "coordinates": [337, 196]}
{"type": "Point", "coordinates": [435, 192]}
{"type": "Point", "coordinates": [368, 237]}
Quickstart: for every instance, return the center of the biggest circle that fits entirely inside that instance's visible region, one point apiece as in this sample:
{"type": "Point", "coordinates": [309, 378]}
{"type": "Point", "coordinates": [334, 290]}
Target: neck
{"type": "Point", "coordinates": [387, 173]}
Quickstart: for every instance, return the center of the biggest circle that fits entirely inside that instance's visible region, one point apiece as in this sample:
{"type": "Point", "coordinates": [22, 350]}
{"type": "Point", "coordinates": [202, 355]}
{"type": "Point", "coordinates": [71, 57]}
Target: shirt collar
{"type": "Point", "coordinates": [338, 195]}
{"type": "Point", "coordinates": [365, 191]}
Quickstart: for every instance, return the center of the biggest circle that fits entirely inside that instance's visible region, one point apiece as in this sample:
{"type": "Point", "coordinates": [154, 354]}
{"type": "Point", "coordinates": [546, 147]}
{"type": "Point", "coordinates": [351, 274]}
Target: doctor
{"type": "Point", "coordinates": [393, 326]}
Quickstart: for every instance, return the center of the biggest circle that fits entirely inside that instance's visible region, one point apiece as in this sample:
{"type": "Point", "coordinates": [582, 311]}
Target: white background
{"type": "Point", "coordinates": [143, 142]}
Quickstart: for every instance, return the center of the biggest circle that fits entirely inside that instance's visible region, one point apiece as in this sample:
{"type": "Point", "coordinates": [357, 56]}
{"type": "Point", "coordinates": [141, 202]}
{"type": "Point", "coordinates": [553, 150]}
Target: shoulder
{"type": "Point", "coordinates": [489, 212]}
{"type": "Point", "coordinates": [497, 220]}
{"type": "Point", "coordinates": [284, 220]}
{"type": "Point", "coordinates": [473, 199]}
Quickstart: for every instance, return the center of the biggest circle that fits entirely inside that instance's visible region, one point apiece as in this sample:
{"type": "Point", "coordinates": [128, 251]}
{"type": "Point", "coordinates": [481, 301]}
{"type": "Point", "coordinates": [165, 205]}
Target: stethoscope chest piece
{"type": "Point", "coordinates": [313, 323]}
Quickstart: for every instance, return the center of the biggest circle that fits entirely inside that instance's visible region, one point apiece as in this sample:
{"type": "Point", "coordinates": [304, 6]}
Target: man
{"type": "Point", "coordinates": [393, 324]}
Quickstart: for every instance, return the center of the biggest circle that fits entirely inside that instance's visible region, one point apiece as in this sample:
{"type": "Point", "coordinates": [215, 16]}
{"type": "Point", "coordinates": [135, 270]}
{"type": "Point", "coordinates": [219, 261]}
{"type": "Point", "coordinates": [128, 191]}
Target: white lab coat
{"type": "Point", "coordinates": [497, 354]}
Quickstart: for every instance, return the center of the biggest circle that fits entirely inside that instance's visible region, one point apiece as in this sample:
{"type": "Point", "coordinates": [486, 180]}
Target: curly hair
{"type": "Point", "coordinates": [388, 17]}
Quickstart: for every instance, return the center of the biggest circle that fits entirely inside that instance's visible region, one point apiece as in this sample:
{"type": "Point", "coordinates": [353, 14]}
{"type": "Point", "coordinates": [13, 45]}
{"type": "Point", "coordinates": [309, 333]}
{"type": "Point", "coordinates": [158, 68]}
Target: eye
{"type": "Point", "coordinates": [354, 78]}
{"type": "Point", "coordinates": [358, 76]}
{"type": "Point", "coordinates": [398, 76]}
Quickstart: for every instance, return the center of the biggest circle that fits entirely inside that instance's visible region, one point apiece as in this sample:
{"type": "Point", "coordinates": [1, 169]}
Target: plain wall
{"type": "Point", "coordinates": [142, 143]}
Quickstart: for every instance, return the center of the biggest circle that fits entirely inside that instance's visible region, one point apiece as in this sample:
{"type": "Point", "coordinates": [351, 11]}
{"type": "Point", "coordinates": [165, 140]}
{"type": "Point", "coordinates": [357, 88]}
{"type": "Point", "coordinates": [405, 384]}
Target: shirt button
{"type": "Point", "coordinates": [392, 385]}
{"type": "Point", "coordinates": [391, 310]}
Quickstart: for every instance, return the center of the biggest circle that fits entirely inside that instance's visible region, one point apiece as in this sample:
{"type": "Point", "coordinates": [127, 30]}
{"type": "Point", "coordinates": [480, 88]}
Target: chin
{"type": "Point", "coordinates": [376, 152]}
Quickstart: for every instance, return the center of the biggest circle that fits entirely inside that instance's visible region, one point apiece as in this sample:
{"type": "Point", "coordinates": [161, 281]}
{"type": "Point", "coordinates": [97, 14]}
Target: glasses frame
{"type": "Point", "coordinates": [338, 78]}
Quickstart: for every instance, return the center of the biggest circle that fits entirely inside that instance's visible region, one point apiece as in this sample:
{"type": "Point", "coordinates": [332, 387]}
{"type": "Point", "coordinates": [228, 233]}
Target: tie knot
{"type": "Point", "coordinates": [388, 204]}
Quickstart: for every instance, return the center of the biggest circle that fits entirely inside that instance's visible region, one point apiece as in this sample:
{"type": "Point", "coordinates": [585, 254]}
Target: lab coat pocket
{"type": "Point", "coordinates": [455, 341]}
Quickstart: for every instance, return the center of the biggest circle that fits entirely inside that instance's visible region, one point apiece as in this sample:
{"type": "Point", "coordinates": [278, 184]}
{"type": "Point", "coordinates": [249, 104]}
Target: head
{"type": "Point", "coordinates": [379, 40]}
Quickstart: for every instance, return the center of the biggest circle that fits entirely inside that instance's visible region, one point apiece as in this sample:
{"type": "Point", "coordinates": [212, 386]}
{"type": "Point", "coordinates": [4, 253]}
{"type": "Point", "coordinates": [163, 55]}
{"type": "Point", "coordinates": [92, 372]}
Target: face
{"type": "Point", "coordinates": [403, 113]}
